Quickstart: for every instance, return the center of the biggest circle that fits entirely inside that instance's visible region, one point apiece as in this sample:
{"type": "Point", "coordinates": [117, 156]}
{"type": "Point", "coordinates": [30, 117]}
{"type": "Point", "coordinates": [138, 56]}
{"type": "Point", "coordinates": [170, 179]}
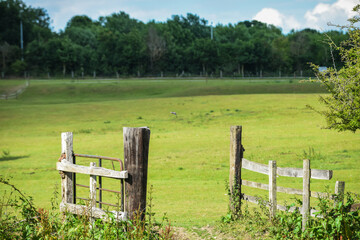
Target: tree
{"type": "Point", "coordinates": [156, 45]}
{"type": "Point", "coordinates": [5, 50]}
{"type": "Point", "coordinates": [343, 104]}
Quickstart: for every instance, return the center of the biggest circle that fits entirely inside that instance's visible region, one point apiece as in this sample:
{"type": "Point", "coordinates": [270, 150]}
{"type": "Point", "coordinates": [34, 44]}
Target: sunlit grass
{"type": "Point", "coordinates": [189, 153]}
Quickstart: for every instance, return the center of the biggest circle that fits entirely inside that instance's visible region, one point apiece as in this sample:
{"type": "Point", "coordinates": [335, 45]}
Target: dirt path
{"type": "Point", "coordinates": [206, 232]}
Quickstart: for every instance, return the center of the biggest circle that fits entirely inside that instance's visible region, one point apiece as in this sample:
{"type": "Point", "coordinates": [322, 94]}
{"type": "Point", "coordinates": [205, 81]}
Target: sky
{"type": "Point", "coordinates": [286, 14]}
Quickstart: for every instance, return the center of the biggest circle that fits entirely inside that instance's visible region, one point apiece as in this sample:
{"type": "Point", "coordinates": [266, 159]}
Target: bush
{"type": "Point", "coordinates": [333, 221]}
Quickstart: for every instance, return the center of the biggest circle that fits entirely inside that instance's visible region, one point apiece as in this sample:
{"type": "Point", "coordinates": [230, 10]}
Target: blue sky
{"type": "Point", "coordinates": [287, 14]}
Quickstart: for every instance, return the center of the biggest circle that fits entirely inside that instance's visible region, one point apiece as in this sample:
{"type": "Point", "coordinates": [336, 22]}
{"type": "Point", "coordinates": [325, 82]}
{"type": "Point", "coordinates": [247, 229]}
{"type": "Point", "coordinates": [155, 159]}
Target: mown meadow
{"type": "Point", "coordinates": [189, 152]}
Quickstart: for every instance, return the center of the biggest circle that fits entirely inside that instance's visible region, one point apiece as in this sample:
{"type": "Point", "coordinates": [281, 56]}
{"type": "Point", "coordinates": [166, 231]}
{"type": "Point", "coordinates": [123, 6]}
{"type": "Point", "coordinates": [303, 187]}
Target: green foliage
{"type": "Point", "coordinates": [19, 219]}
{"type": "Point", "coordinates": [312, 154]}
{"type": "Point", "coordinates": [333, 221]}
{"type": "Point", "coordinates": [118, 45]}
{"type": "Point", "coordinates": [5, 153]}
{"type": "Point", "coordinates": [343, 104]}
{"type": "Point", "coordinates": [249, 224]}
{"type": "Point", "coordinates": [18, 67]}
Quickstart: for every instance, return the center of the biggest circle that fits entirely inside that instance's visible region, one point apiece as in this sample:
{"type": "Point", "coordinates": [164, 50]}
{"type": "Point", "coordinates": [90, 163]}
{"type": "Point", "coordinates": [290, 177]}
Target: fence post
{"type": "Point", "coordinates": [136, 151]}
{"type": "Point", "coordinates": [339, 190]}
{"type": "Point", "coordinates": [236, 155]}
{"type": "Point", "coordinates": [92, 187]}
{"type": "Point", "coordinates": [306, 192]}
{"type": "Point", "coordinates": [67, 184]}
{"type": "Point", "coordinates": [272, 188]}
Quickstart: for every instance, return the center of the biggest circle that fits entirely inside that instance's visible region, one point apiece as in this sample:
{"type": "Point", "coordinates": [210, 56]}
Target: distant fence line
{"type": "Point", "coordinates": [160, 74]}
{"type": "Point", "coordinates": [15, 94]}
{"type": "Point", "coordinates": [237, 162]}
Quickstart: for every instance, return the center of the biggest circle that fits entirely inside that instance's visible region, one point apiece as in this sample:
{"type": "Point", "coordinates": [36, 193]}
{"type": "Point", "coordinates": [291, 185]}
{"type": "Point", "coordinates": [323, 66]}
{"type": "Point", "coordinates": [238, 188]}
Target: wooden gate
{"type": "Point", "coordinates": [132, 175]}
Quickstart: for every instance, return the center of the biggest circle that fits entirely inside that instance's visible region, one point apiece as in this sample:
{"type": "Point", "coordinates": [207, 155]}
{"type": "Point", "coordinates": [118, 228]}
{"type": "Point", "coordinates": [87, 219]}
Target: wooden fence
{"type": "Point", "coordinates": [16, 93]}
{"type": "Point", "coordinates": [132, 174]}
{"type": "Point", "coordinates": [237, 162]}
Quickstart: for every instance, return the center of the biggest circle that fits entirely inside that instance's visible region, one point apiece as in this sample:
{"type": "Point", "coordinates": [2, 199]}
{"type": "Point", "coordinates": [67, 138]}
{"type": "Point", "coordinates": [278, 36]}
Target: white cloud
{"type": "Point", "coordinates": [317, 18]}
{"type": "Point", "coordinates": [274, 17]}
{"type": "Point", "coordinates": [336, 13]}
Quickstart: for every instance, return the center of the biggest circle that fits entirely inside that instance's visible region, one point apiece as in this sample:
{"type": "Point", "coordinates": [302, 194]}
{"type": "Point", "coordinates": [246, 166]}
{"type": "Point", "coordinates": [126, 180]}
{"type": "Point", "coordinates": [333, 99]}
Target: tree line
{"type": "Point", "coordinates": [118, 45]}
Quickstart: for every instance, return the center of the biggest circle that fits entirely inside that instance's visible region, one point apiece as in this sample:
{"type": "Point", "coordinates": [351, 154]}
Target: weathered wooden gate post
{"type": "Point", "coordinates": [67, 178]}
{"type": "Point", "coordinates": [136, 151]}
{"type": "Point", "coordinates": [236, 155]}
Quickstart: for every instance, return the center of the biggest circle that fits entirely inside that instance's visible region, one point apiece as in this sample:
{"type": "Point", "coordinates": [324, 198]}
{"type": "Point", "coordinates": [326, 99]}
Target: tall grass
{"type": "Point", "coordinates": [20, 219]}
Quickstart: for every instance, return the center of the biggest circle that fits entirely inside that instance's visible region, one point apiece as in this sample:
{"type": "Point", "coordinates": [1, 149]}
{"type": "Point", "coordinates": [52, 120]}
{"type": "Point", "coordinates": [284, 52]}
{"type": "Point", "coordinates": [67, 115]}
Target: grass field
{"type": "Point", "coordinates": [189, 154]}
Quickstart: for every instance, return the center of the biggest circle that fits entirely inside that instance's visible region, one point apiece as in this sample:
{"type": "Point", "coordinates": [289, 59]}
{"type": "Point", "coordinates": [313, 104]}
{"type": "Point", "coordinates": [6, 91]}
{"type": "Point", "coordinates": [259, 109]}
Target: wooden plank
{"type": "Point", "coordinates": [272, 188]}
{"type": "Point", "coordinates": [255, 200]}
{"type": "Point", "coordinates": [286, 172]}
{"type": "Point", "coordinates": [255, 167]}
{"type": "Point", "coordinates": [255, 184]}
{"type": "Point", "coordinates": [97, 171]}
{"type": "Point", "coordinates": [292, 209]}
{"type": "Point", "coordinates": [67, 185]}
{"type": "Point", "coordinates": [92, 187]}
{"type": "Point", "coordinates": [91, 211]}
{"type": "Point", "coordinates": [290, 190]}
{"type": "Point", "coordinates": [287, 190]}
{"type": "Point", "coordinates": [136, 152]}
{"type": "Point", "coordinates": [252, 199]}
{"type": "Point", "coordinates": [236, 154]}
{"type": "Point", "coordinates": [298, 172]}
{"type": "Point", "coordinates": [306, 193]}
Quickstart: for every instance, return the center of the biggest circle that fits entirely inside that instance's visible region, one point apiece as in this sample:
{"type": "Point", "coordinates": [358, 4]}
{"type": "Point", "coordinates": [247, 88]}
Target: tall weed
{"type": "Point", "coordinates": [20, 219]}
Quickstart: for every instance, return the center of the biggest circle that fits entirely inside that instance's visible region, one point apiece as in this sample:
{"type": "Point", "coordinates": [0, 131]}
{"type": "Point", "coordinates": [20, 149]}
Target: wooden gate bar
{"type": "Point", "coordinates": [74, 180]}
{"type": "Point", "coordinates": [105, 203]}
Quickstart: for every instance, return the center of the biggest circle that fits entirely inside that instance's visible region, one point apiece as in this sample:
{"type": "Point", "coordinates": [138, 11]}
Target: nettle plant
{"type": "Point", "coordinates": [332, 221]}
{"type": "Point", "coordinates": [20, 219]}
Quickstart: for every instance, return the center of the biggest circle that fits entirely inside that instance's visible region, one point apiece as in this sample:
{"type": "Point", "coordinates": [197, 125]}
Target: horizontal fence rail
{"type": "Point", "coordinates": [286, 172]}
{"type": "Point", "coordinates": [287, 190]}
{"type": "Point", "coordinates": [14, 94]}
{"type": "Point", "coordinates": [257, 200]}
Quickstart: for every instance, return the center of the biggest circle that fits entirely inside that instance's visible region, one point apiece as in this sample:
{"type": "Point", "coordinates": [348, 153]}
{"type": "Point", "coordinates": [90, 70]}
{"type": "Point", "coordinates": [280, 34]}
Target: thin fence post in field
{"type": "Point", "coordinates": [92, 187]}
{"type": "Point", "coordinates": [67, 185]}
{"type": "Point", "coordinates": [339, 191]}
{"type": "Point", "coordinates": [306, 192]}
{"type": "Point", "coordinates": [136, 151]}
{"type": "Point", "coordinates": [272, 188]}
{"type": "Point", "coordinates": [236, 155]}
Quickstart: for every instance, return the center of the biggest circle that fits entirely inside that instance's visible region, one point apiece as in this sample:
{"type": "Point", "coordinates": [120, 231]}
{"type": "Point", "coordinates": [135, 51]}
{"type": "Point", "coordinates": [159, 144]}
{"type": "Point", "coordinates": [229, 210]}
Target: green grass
{"type": "Point", "coordinates": [189, 154]}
